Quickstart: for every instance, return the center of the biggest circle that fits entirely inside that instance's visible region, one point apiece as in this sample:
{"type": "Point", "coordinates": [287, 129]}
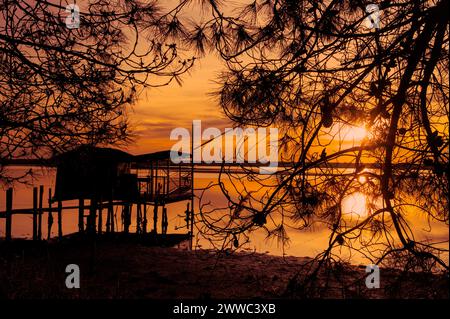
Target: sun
{"type": "Point", "coordinates": [354, 133]}
{"type": "Point", "coordinates": [349, 133]}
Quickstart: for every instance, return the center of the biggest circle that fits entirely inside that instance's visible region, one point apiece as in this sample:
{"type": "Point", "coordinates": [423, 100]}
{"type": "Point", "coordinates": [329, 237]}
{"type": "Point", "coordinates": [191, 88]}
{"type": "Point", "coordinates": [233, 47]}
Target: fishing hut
{"type": "Point", "coordinates": [108, 185]}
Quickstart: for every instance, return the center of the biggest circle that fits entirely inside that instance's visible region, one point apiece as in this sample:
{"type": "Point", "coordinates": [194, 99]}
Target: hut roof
{"type": "Point", "coordinates": [88, 153]}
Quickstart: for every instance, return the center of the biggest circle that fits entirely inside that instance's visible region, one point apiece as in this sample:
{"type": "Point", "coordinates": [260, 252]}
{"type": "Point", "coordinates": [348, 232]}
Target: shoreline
{"type": "Point", "coordinates": [129, 270]}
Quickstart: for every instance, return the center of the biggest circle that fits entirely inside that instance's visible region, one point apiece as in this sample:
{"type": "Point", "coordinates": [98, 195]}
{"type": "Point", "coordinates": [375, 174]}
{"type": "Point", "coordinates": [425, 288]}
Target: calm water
{"type": "Point", "coordinates": [302, 242]}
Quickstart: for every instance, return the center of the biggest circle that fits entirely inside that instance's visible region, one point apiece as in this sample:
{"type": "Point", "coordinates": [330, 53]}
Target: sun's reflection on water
{"type": "Point", "coordinates": [355, 203]}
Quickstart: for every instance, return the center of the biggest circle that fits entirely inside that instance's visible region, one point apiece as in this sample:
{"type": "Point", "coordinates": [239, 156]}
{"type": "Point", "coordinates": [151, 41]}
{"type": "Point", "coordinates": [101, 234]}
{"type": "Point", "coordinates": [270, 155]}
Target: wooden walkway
{"type": "Point", "coordinates": [91, 214]}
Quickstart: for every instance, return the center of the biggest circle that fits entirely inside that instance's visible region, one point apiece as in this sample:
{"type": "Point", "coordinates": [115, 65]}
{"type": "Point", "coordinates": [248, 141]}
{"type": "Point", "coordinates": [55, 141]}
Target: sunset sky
{"type": "Point", "coordinates": [159, 110]}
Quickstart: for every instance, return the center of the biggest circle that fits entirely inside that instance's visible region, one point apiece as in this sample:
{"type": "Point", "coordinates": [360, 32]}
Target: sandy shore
{"type": "Point", "coordinates": [130, 270]}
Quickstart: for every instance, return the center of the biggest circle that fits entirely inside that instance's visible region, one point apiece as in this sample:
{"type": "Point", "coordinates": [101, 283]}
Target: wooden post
{"type": "Point", "coordinates": [50, 214]}
{"type": "Point", "coordinates": [126, 216]}
{"type": "Point", "coordinates": [92, 216]}
{"type": "Point", "coordinates": [108, 217]}
{"type": "Point", "coordinates": [130, 209]}
{"type": "Point", "coordinates": [81, 215]}
{"type": "Point", "coordinates": [60, 231]}
{"type": "Point", "coordinates": [164, 221]}
{"type": "Point", "coordinates": [144, 223]}
{"type": "Point", "coordinates": [111, 207]}
{"type": "Point", "coordinates": [41, 200]}
{"type": "Point", "coordinates": [155, 210]}
{"type": "Point", "coordinates": [100, 217]}
{"type": "Point", "coordinates": [8, 222]}
{"type": "Point", "coordinates": [35, 213]}
{"type": "Point", "coordinates": [155, 217]}
{"type": "Point", "coordinates": [138, 218]}
{"type": "Point", "coordinates": [188, 213]}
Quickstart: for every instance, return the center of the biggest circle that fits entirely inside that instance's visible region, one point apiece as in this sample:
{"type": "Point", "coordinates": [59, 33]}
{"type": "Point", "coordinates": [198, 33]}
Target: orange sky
{"type": "Point", "coordinates": [159, 110]}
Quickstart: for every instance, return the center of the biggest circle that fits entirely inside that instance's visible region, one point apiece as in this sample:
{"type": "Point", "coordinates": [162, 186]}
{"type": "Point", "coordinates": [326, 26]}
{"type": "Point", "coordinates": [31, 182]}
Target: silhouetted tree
{"type": "Point", "coordinates": [313, 69]}
{"type": "Point", "coordinates": [62, 85]}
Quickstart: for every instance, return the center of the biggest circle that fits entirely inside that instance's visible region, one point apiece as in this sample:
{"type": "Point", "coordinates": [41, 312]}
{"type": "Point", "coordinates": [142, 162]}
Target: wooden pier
{"type": "Point", "coordinates": [107, 184]}
{"type": "Point", "coordinates": [91, 215]}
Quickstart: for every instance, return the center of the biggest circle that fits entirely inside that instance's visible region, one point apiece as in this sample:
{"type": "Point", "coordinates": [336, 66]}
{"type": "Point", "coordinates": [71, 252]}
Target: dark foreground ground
{"type": "Point", "coordinates": [125, 269]}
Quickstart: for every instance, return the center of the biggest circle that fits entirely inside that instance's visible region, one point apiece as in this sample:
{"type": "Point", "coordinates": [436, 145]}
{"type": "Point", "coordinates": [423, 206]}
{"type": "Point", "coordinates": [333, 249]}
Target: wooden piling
{"type": "Point", "coordinates": [35, 213]}
{"type": "Point", "coordinates": [100, 218]}
{"type": "Point", "coordinates": [138, 218]}
{"type": "Point", "coordinates": [130, 210]}
{"type": "Point", "coordinates": [108, 218]}
{"type": "Point", "coordinates": [112, 221]}
{"type": "Point", "coordinates": [144, 222]}
{"type": "Point", "coordinates": [155, 210]}
{"type": "Point", "coordinates": [50, 215]}
{"type": "Point", "coordinates": [126, 216]}
{"type": "Point", "coordinates": [164, 221]}
{"type": "Point", "coordinates": [8, 222]}
{"type": "Point", "coordinates": [188, 216]}
{"type": "Point", "coordinates": [123, 217]}
{"type": "Point", "coordinates": [155, 217]}
{"type": "Point", "coordinates": [92, 217]}
{"type": "Point", "coordinates": [60, 231]}
{"type": "Point", "coordinates": [41, 200]}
